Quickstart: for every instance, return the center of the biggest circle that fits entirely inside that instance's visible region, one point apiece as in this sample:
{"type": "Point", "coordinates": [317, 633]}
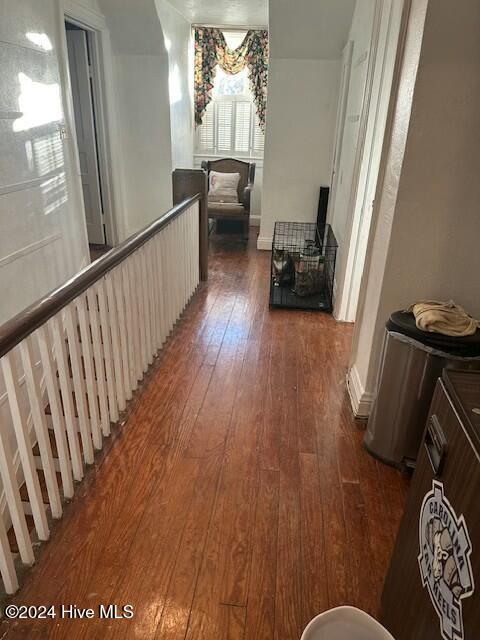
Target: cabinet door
{"type": "Point", "coordinates": [429, 592]}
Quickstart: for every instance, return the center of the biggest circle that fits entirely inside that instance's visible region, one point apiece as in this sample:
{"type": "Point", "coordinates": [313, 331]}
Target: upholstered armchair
{"type": "Point", "coordinates": [233, 210]}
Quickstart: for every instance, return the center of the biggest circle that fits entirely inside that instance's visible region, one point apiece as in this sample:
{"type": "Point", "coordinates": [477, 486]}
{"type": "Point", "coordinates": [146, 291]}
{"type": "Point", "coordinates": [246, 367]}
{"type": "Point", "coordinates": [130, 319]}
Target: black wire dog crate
{"type": "Point", "coordinates": [303, 266]}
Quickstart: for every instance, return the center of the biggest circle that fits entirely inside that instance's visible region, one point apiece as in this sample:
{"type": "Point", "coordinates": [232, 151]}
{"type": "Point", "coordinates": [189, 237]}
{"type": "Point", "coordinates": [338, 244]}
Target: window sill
{"type": "Point", "coordinates": [211, 156]}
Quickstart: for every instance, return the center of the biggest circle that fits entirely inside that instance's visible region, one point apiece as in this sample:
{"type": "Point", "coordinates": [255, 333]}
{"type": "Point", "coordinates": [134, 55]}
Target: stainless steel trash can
{"type": "Point", "coordinates": [412, 361]}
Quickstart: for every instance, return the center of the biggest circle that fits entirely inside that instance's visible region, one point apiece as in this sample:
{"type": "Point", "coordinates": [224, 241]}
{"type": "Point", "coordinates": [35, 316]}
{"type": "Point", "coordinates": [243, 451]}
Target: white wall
{"type": "Point", "coordinates": [43, 238]}
{"type": "Point", "coordinates": [144, 118]}
{"type": "Point", "coordinates": [41, 207]}
{"type": "Point", "coordinates": [150, 112]}
{"type": "Point", "coordinates": [425, 240]}
{"type": "Point", "coordinates": [304, 77]}
{"type": "Point", "coordinates": [177, 33]}
{"type": "Point", "coordinates": [140, 67]}
{"type": "Point", "coordinates": [302, 100]}
{"type": "Point", "coordinates": [310, 30]}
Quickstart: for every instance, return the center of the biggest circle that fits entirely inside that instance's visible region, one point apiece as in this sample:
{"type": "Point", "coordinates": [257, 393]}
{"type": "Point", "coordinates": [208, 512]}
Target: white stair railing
{"type": "Point", "coordinates": [70, 363]}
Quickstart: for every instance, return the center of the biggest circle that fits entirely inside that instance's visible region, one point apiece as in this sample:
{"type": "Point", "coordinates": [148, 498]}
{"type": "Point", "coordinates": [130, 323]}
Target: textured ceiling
{"type": "Point", "coordinates": [224, 12]}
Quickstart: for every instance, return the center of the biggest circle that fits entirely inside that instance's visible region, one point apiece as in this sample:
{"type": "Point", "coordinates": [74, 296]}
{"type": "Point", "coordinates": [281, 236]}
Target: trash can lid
{"type": "Point", "coordinates": [466, 346]}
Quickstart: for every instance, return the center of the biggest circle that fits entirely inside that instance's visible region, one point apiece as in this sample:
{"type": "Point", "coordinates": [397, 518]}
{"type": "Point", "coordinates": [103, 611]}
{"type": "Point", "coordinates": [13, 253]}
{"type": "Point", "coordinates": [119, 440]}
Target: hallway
{"type": "Point", "coordinates": [237, 501]}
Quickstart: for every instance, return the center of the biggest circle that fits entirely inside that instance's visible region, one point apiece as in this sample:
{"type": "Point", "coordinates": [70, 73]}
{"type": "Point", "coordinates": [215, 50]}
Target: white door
{"type": "Point", "coordinates": [340, 123]}
{"type": "Point", "coordinates": [385, 56]}
{"type": "Point", "coordinates": [85, 128]}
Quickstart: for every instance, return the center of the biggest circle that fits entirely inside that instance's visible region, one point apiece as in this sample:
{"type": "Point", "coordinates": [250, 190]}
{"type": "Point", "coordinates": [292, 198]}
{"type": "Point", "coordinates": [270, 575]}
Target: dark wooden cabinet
{"type": "Point", "coordinates": [432, 588]}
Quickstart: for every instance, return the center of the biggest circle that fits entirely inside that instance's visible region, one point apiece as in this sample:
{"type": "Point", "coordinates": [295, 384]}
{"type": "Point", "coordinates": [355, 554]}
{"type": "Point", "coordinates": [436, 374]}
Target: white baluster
{"type": "Point", "coordinates": [131, 319]}
{"type": "Point", "coordinates": [169, 274]}
{"type": "Point", "coordinates": [140, 290]}
{"type": "Point", "coordinates": [162, 296]}
{"type": "Point", "coordinates": [174, 272]}
{"type": "Point", "coordinates": [122, 323]}
{"type": "Point", "coordinates": [195, 242]}
{"type": "Point", "coordinates": [162, 309]}
{"type": "Point", "coordinates": [78, 382]}
{"type": "Point", "coordinates": [121, 368]}
{"type": "Point", "coordinates": [184, 220]}
{"type": "Point", "coordinates": [153, 293]}
{"type": "Point", "coordinates": [14, 502]}
{"type": "Point", "coordinates": [66, 390]}
{"type": "Point", "coordinates": [188, 256]}
{"type": "Point", "coordinates": [99, 360]}
{"type": "Point", "coordinates": [188, 249]}
{"type": "Point", "coordinates": [179, 265]}
{"type": "Point", "coordinates": [196, 235]}
{"type": "Point", "coordinates": [193, 254]}
{"type": "Point", "coordinates": [7, 568]}
{"type": "Point", "coordinates": [107, 341]}
{"type": "Point", "coordinates": [37, 409]}
{"type": "Point", "coordinates": [181, 255]}
{"type": "Point", "coordinates": [58, 419]}
{"type": "Point", "coordinates": [150, 301]}
{"type": "Point", "coordinates": [147, 303]}
{"type": "Point", "coordinates": [197, 245]}
{"type": "Point", "coordinates": [86, 350]}
{"type": "Point", "coordinates": [136, 318]}
{"type": "Point", "coordinates": [19, 419]}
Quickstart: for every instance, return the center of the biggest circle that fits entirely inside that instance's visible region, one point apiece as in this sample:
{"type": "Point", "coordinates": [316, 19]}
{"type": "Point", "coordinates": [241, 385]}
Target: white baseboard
{"type": "Point", "coordinates": [361, 400]}
{"type": "Point", "coordinates": [264, 243]}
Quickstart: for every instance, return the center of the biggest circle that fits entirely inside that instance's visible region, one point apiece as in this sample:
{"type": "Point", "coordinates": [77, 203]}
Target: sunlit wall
{"type": "Point", "coordinates": [43, 238]}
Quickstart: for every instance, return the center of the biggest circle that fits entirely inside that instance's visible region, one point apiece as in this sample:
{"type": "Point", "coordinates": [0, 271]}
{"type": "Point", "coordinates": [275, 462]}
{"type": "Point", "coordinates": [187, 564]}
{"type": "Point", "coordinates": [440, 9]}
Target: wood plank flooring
{"type": "Point", "coordinates": [238, 501]}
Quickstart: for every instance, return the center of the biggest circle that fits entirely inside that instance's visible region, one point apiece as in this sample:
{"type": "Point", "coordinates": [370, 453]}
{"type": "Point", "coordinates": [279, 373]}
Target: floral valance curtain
{"type": "Point", "coordinates": [211, 49]}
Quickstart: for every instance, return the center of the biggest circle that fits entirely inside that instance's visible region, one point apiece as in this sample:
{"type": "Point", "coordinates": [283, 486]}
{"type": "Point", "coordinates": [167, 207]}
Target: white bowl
{"type": "Point", "coordinates": [345, 623]}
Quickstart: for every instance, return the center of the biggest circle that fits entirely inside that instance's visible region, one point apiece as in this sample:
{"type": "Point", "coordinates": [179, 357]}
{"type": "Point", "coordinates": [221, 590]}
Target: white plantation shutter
{"type": "Point", "coordinates": [230, 124]}
{"type": "Point", "coordinates": [243, 119]}
{"type": "Point", "coordinates": [206, 133]}
{"type": "Point", "coordinates": [230, 127]}
{"type": "Point", "coordinates": [224, 114]}
{"type": "Point", "coordinates": [258, 138]}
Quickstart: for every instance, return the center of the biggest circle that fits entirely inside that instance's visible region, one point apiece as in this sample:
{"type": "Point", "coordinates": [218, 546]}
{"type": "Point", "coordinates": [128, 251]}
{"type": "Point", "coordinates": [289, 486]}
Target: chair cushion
{"type": "Point", "coordinates": [224, 199]}
{"type": "Point", "coordinates": [226, 209]}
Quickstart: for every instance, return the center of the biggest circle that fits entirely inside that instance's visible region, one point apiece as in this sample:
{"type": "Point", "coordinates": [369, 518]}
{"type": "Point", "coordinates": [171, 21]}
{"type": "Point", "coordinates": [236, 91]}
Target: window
{"type": "Point", "coordinates": [230, 124]}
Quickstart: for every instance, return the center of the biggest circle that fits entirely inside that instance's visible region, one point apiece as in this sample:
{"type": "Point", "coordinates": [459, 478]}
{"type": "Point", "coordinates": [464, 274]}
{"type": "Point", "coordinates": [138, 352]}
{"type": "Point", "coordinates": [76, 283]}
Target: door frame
{"type": "Point", "coordinates": [80, 50]}
{"type": "Point", "coordinates": [389, 31]}
{"type": "Point", "coordinates": [347, 54]}
{"type": "Point", "coordinates": [358, 229]}
{"type": "Point", "coordinates": [105, 115]}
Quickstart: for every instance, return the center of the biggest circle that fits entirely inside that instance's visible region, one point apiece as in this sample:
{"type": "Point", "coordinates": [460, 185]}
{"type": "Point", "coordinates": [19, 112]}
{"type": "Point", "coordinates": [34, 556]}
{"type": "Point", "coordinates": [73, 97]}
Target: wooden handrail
{"type": "Point", "coordinates": [25, 322]}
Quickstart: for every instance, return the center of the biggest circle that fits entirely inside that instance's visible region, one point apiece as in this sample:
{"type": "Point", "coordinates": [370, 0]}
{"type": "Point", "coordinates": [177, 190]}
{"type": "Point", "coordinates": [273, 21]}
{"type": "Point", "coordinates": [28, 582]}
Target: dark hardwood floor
{"type": "Point", "coordinates": [237, 503]}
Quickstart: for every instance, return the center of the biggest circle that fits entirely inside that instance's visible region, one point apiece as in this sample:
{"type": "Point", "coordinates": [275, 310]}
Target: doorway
{"type": "Point", "coordinates": [359, 139]}
{"type": "Point", "coordinates": [80, 45]}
